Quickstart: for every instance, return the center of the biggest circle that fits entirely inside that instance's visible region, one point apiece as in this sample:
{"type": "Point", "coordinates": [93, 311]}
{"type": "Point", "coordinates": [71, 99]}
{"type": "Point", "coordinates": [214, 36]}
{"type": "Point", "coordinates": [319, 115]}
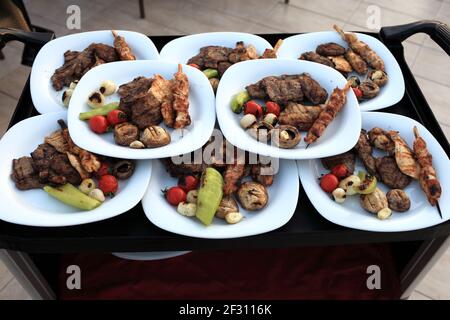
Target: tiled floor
{"type": "Point", "coordinates": [257, 16]}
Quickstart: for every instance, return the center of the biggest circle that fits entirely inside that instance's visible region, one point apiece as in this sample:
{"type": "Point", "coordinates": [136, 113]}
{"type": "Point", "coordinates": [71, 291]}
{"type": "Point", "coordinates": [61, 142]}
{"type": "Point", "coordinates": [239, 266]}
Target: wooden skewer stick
{"type": "Point", "coordinates": [114, 32]}
{"type": "Point", "coordinates": [439, 209]}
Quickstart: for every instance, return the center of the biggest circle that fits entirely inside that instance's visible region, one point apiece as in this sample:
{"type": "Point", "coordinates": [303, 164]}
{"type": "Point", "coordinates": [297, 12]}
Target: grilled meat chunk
{"type": "Point", "coordinates": [314, 57]}
{"type": "Point", "coordinates": [135, 89]}
{"type": "Point", "coordinates": [283, 91]}
{"type": "Point", "coordinates": [232, 177]}
{"type": "Point", "coordinates": [263, 177]}
{"type": "Point", "coordinates": [330, 49]}
{"type": "Point", "coordinates": [390, 174]}
{"type": "Point", "coordinates": [179, 170]}
{"type": "Point", "coordinates": [364, 150]}
{"type": "Point", "coordinates": [222, 67]}
{"type": "Point", "coordinates": [348, 158]}
{"type": "Point", "coordinates": [381, 140]}
{"type": "Point", "coordinates": [62, 170]}
{"type": "Point", "coordinates": [341, 64]}
{"type": "Point", "coordinates": [355, 60]}
{"type": "Point", "coordinates": [210, 56]}
{"type": "Point", "coordinates": [256, 90]}
{"type": "Point", "coordinates": [312, 89]}
{"type": "Point", "coordinates": [300, 116]}
{"type": "Point", "coordinates": [24, 174]}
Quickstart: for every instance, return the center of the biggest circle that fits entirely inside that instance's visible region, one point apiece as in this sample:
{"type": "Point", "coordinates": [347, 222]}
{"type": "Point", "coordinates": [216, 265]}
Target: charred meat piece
{"type": "Point", "coordinates": [355, 60]}
{"type": "Point", "coordinates": [61, 168]}
{"type": "Point", "coordinates": [241, 53]}
{"type": "Point", "coordinates": [300, 116]}
{"type": "Point", "coordinates": [183, 169]}
{"type": "Point", "coordinates": [256, 90]}
{"type": "Point", "coordinates": [283, 91]}
{"type": "Point", "coordinates": [125, 133]}
{"type": "Point", "coordinates": [24, 175]}
{"type": "Point", "coordinates": [222, 67]}
{"type": "Point", "coordinates": [347, 158]}
{"type": "Point", "coordinates": [381, 140]}
{"type": "Point", "coordinates": [330, 49]}
{"type": "Point", "coordinates": [42, 156]}
{"type": "Point", "coordinates": [390, 174]}
{"type": "Point", "coordinates": [262, 174]}
{"type": "Point", "coordinates": [212, 55]}
{"type": "Point", "coordinates": [312, 89]}
{"type": "Point", "coordinates": [135, 89]}
{"type": "Point", "coordinates": [232, 177]}
{"type": "Point", "coordinates": [364, 150]}
{"type": "Point", "coordinates": [314, 57]}
{"type": "Point", "coordinates": [76, 64]}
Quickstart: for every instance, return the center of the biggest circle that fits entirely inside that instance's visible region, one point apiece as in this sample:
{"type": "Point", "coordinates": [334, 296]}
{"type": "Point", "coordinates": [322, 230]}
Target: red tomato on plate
{"type": "Point", "coordinates": [98, 124]}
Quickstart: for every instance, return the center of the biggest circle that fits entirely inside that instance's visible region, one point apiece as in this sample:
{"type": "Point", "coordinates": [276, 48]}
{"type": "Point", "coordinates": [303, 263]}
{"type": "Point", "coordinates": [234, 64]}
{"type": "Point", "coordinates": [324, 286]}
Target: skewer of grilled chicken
{"type": "Point", "coordinates": [122, 48]}
{"type": "Point", "coordinates": [404, 156]}
{"type": "Point", "coordinates": [427, 178]}
{"type": "Point", "coordinates": [332, 107]}
{"type": "Point", "coordinates": [180, 89]}
{"type": "Point", "coordinates": [361, 48]}
{"type": "Point", "coordinates": [272, 53]}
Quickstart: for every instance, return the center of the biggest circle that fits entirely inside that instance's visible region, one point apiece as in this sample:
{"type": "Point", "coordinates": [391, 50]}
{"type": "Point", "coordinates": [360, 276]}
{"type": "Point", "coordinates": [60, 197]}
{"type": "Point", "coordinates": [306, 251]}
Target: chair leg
{"type": "Point", "coordinates": [142, 9]}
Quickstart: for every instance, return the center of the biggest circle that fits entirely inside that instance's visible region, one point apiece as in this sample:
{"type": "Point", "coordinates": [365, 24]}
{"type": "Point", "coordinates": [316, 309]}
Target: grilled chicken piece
{"type": "Point", "coordinates": [404, 156]}
{"type": "Point", "coordinates": [314, 57]}
{"type": "Point", "coordinates": [300, 116]}
{"type": "Point", "coordinates": [381, 140]}
{"type": "Point", "coordinates": [232, 177]}
{"type": "Point", "coordinates": [76, 163]}
{"type": "Point", "coordinates": [364, 150]}
{"type": "Point", "coordinates": [427, 178]}
{"type": "Point", "coordinates": [390, 173]}
{"type": "Point", "coordinates": [122, 48]}
{"type": "Point", "coordinates": [180, 89]}
{"type": "Point", "coordinates": [361, 48]}
{"type": "Point", "coordinates": [355, 60]}
{"type": "Point", "coordinates": [162, 91]}
{"type": "Point", "coordinates": [330, 49]}
{"type": "Point", "coordinates": [340, 64]}
{"type": "Point", "coordinates": [332, 107]}
{"type": "Point", "coordinates": [57, 141]}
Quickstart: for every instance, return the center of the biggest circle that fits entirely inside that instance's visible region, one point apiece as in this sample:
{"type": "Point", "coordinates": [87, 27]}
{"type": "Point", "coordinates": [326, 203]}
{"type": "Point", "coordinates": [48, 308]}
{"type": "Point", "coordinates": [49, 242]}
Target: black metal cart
{"type": "Point", "coordinates": [33, 252]}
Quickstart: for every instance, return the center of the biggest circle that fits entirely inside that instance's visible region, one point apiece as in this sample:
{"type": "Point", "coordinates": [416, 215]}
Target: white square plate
{"type": "Point", "coordinates": [201, 109]}
{"type": "Point", "coordinates": [351, 214]}
{"type": "Point", "coordinates": [182, 49]}
{"type": "Point", "coordinates": [340, 136]}
{"type": "Point", "coordinates": [279, 210]}
{"type": "Point", "coordinates": [45, 98]}
{"type": "Point", "coordinates": [292, 47]}
{"type": "Point", "coordinates": [35, 207]}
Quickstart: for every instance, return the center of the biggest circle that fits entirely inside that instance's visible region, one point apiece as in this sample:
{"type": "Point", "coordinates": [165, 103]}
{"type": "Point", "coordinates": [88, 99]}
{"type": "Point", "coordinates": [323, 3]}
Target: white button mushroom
{"type": "Point", "coordinates": [339, 195]}
{"type": "Point", "coordinates": [97, 194]}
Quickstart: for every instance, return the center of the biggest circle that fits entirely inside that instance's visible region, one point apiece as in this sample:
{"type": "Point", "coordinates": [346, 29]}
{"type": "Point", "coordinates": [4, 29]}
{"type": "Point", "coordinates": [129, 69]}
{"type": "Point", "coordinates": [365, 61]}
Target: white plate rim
{"type": "Point", "coordinates": [79, 130]}
{"type": "Point", "coordinates": [251, 145]}
{"type": "Point", "coordinates": [311, 187]}
{"type": "Point", "coordinates": [395, 74]}
{"type": "Point", "coordinates": [42, 99]}
{"type": "Point", "coordinates": [152, 197]}
{"type": "Point", "coordinates": [111, 208]}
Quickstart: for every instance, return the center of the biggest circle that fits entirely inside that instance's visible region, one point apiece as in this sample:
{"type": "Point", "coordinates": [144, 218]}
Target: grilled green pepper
{"type": "Point", "coordinates": [209, 195]}
{"type": "Point", "coordinates": [100, 111]}
{"type": "Point", "coordinates": [71, 196]}
{"type": "Point", "coordinates": [238, 101]}
{"type": "Point", "coordinates": [211, 73]}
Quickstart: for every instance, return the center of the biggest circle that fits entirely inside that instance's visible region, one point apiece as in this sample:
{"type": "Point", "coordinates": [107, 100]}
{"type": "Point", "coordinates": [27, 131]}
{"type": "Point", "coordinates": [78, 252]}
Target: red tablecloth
{"type": "Point", "coordinates": [293, 273]}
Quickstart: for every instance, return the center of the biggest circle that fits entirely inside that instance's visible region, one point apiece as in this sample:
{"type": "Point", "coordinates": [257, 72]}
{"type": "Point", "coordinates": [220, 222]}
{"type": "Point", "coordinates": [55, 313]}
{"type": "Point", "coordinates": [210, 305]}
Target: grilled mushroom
{"type": "Point", "coordinates": [369, 89]}
{"type": "Point", "coordinates": [155, 136]}
{"type": "Point", "coordinates": [375, 201]}
{"type": "Point", "coordinates": [227, 205]}
{"type": "Point", "coordinates": [260, 130]}
{"type": "Point", "coordinates": [123, 169]}
{"type": "Point", "coordinates": [398, 200]}
{"type": "Point", "coordinates": [252, 196]}
{"type": "Point", "coordinates": [378, 77]}
{"type": "Point", "coordinates": [125, 133]}
{"type": "Point", "coordinates": [286, 136]}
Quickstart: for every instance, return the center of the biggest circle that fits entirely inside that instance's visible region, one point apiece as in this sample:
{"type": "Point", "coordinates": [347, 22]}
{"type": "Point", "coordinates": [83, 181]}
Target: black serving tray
{"type": "Point", "coordinates": [132, 231]}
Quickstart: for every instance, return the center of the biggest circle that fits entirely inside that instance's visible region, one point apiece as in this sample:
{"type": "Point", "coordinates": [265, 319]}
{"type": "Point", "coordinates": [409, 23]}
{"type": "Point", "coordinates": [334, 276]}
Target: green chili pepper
{"type": "Point", "coordinates": [101, 111]}
{"type": "Point", "coordinates": [238, 101]}
{"type": "Point", "coordinates": [211, 73]}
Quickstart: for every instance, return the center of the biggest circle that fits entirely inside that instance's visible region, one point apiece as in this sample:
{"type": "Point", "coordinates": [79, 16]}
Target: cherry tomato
{"type": "Point", "coordinates": [358, 92]}
{"type": "Point", "coordinates": [116, 117]}
{"type": "Point", "coordinates": [253, 108]}
{"type": "Point", "coordinates": [188, 183]}
{"type": "Point", "coordinates": [98, 124]}
{"type": "Point", "coordinates": [194, 65]}
{"type": "Point", "coordinates": [329, 182]}
{"type": "Point", "coordinates": [108, 184]}
{"type": "Point", "coordinates": [104, 169]}
{"type": "Point", "coordinates": [341, 171]}
{"type": "Point", "coordinates": [273, 107]}
{"type": "Point", "coordinates": [175, 195]}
